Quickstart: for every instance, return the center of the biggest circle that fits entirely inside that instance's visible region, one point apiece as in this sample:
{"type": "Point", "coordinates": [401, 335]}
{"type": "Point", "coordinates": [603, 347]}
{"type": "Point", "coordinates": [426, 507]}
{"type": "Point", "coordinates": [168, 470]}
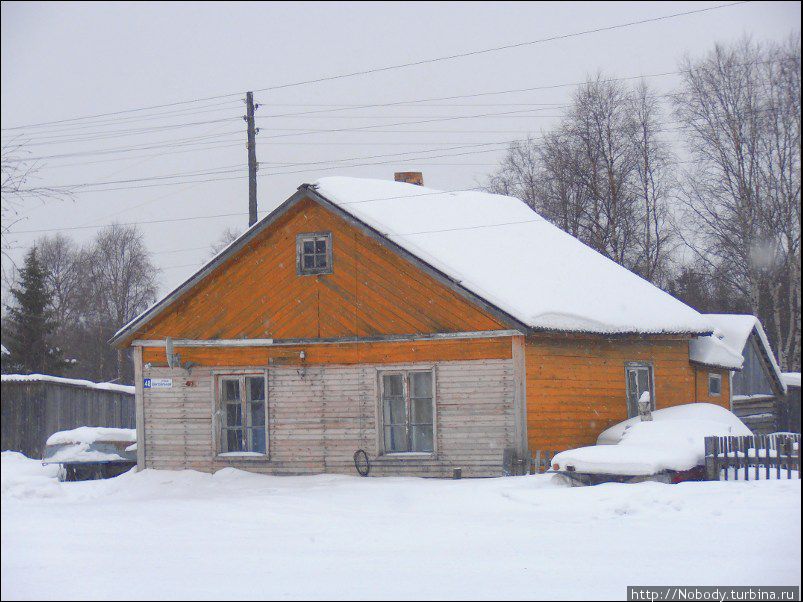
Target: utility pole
{"type": "Point", "coordinates": [252, 159]}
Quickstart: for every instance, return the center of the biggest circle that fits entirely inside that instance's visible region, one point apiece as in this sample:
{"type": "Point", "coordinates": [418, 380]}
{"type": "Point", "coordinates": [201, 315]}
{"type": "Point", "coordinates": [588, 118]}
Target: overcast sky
{"type": "Point", "coordinates": [61, 61]}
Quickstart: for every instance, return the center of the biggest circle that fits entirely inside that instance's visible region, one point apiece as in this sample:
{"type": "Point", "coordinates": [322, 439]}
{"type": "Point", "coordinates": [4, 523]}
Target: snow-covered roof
{"type": "Point", "coordinates": [496, 248]}
{"type": "Point", "coordinates": [731, 336]}
{"type": "Point", "coordinates": [502, 251]}
{"type": "Point", "coordinates": [67, 381]}
{"type": "Point", "coordinates": [711, 350]}
{"type": "Point", "coordinates": [791, 379]}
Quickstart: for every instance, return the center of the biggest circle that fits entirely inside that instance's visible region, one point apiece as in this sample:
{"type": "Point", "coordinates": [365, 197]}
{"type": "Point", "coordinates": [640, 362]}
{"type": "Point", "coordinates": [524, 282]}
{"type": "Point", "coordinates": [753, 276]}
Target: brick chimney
{"type": "Point", "coordinates": [411, 177]}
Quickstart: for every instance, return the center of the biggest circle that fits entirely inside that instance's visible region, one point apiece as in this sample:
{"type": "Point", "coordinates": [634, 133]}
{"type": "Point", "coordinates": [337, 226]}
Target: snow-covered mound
{"type": "Point", "coordinates": [91, 444]}
{"type": "Point", "coordinates": [673, 440]}
{"type": "Point", "coordinates": [707, 412]}
{"type": "Point", "coordinates": [23, 477]}
{"type": "Point", "coordinates": [91, 434]}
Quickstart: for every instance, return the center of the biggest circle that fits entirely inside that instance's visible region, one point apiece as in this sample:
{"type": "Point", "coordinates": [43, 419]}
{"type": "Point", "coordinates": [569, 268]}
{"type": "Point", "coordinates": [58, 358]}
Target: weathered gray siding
{"type": "Point", "coordinates": [756, 397]}
{"type": "Point", "coordinates": [319, 417]}
{"type": "Point", "coordinates": [34, 410]}
{"type": "Point", "coordinates": [753, 378]}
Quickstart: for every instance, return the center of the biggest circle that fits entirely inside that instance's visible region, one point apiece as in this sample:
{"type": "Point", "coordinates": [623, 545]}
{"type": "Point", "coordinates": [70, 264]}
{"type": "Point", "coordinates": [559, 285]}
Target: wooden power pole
{"type": "Point", "coordinates": [252, 159]}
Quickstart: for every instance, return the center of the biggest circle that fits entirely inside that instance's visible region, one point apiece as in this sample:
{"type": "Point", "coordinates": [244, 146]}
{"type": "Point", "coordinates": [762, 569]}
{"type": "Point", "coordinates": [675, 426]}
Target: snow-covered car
{"type": "Point", "coordinates": [88, 452]}
{"type": "Point", "coordinates": [670, 447]}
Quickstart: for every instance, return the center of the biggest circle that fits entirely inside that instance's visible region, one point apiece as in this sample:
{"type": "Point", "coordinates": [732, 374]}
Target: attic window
{"type": "Point", "coordinates": [314, 253]}
{"type": "Point", "coordinates": [714, 384]}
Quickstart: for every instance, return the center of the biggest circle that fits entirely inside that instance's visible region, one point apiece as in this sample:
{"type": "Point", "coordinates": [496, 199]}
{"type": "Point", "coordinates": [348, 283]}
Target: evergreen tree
{"type": "Point", "coordinates": [29, 324]}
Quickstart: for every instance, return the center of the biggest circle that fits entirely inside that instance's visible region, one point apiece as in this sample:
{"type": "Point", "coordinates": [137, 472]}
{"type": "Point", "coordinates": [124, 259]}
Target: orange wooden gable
{"type": "Point", "coordinates": [372, 291]}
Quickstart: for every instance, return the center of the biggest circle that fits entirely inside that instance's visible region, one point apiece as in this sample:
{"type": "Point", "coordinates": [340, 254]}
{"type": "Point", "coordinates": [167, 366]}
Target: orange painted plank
{"type": "Point", "coordinates": [576, 386]}
{"type": "Point", "coordinates": [341, 353]}
{"type": "Point", "coordinates": [372, 291]}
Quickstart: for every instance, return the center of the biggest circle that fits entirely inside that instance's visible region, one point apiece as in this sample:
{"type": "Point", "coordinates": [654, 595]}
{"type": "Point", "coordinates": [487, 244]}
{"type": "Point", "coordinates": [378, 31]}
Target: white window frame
{"type": "Point", "coordinates": [715, 376]}
{"type": "Point", "coordinates": [380, 415]}
{"type": "Point", "coordinates": [314, 237]}
{"type": "Point", "coordinates": [218, 417]}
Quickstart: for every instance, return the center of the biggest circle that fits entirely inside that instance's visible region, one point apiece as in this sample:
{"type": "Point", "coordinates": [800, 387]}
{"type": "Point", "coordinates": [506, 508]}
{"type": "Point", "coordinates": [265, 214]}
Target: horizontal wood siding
{"type": "Point", "coordinates": [320, 416]}
{"type": "Point", "coordinates": [340, 353]}
{"type": "Point", "coordinates": [372, 291]}
{"type": "Point", "coordinates": [576, 385]}
{"type": "Point", "coordinates": [701, 374]}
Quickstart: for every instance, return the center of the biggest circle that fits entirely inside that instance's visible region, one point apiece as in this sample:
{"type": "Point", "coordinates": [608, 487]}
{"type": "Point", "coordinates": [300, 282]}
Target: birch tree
{"type": "Point", "coordinates": [739, 107]}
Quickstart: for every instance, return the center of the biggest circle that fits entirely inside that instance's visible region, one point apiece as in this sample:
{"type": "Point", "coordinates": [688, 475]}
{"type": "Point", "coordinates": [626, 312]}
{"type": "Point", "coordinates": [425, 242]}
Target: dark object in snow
{"type": "Point", "coordinates": [362, 463]}
{"type": "Point", "coordinates": [92, 471]}
{"type": "Point", "coordinates": [577, 479]}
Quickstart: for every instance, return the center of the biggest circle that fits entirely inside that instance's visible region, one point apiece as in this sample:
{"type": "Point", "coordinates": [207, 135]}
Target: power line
{"type": "Point", "coordinates": [399, 65]}
{"type": "Point", "coordinates": [76, 127]}
{"type": "Point", "coordinates": [90, 136]}
{"type": "Point", "coordinates": [503, 47]}
{"type": "Point", "coordinates": [82, 188]}
{"type": "Point", "coordinates": [124, 149]}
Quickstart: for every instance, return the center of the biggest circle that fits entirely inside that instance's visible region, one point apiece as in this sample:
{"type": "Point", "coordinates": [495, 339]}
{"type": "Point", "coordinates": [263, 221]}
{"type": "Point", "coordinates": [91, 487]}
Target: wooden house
{"type": "Point", "coordinates": [34, 406]}
{"type": "Point", "coordinates": [431, 330]}
{"type": "Point", "coordinates": [758, 391]}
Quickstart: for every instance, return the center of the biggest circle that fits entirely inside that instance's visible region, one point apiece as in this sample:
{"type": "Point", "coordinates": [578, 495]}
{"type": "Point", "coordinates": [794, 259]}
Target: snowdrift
{"type": "Point", "coordinates": [673, 441]}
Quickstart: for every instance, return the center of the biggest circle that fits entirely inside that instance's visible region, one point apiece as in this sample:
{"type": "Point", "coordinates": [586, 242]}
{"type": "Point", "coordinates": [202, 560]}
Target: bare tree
{"type": "Point", "coordinates": [18, 190]}
{"type": "Point", "coordinates": [603, 175]}
{"type": "Point", "coordinates": [121, 279]}
{"type": "Point", "coordinates": [228, 236]}
{"type": "Point", "coordinates": [64, 263]}
{"type": "Point", "coordinates": [740, 109]}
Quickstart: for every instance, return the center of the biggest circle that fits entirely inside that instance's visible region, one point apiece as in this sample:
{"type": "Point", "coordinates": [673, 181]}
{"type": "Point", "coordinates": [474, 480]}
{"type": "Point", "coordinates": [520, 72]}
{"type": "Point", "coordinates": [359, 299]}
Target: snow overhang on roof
{"type": "Point", "coordinates": [731, 336]}
{"type": "Point", "coordinates": [495, 250]}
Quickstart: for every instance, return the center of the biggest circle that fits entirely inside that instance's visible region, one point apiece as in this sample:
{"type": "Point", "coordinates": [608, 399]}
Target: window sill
{"type": "Point", "coordinates": [408, 456]}
{"type": "Point", "coordinates": [242, 457]}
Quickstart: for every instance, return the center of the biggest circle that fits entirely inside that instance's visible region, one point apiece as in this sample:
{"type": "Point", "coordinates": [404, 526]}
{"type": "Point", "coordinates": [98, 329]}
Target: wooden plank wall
{"type": "Point", "coordinates": [317, 422]}
{"type": "Point", "coordinates": [372, 291]}
{"type": "Point", "coordinates": [340, 353]}
{"type": "Point", "coordinates": [576, 385]}
{"type": "Point", "coordinates": [32, 411]}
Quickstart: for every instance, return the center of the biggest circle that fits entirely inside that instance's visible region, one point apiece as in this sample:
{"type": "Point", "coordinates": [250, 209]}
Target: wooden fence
{"type": "Point", "coordinates": [34, 410]}
{"type": "Point", "coordinates": [758, 457]}
{"type": "Point", "coordinates": [540, 461]}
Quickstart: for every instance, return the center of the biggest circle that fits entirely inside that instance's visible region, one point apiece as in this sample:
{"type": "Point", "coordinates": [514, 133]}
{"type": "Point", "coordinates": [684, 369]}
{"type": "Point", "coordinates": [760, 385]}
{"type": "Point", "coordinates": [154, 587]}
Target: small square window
{"type": "Point", "coordinates": [714, 384]}
{"type": "Point", "coordinates": [314, 253]}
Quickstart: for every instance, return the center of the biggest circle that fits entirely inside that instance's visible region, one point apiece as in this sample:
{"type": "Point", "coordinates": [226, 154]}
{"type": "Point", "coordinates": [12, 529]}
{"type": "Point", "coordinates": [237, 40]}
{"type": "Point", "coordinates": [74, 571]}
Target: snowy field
{"type": "Point", "coordinates": [179, 535]}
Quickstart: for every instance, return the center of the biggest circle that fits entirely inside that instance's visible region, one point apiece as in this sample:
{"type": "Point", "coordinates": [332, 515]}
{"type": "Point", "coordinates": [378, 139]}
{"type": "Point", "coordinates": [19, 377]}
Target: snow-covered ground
{"type": "Point", "coordinates": [176, 535]}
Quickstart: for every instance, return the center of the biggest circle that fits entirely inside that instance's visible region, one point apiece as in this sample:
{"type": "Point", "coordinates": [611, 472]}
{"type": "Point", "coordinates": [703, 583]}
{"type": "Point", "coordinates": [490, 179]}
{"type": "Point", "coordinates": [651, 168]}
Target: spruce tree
{"type": "Point", "coordinates": [29, 324]}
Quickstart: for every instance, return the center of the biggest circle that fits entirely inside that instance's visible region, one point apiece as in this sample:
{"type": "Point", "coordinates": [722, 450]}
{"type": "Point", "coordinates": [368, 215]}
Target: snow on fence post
{"type": "Point", "coordinates": [778, 452]}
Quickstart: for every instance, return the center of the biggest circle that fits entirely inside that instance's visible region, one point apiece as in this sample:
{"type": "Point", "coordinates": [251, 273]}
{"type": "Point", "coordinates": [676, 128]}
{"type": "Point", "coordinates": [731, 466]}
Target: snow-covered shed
{"type": "Point", "coordinates": [791, 402]}
{"type": "Point", "coordinates": [757, 386]}
{"type": "Point", "coordinates": [429, 329]}
{"type": "Point", "coordinates": [34, 406]}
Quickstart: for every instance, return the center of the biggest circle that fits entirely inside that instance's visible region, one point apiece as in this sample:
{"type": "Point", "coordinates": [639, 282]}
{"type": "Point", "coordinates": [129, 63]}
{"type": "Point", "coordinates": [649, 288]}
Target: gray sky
{"type": "Point", "coordinates": [61, 61]}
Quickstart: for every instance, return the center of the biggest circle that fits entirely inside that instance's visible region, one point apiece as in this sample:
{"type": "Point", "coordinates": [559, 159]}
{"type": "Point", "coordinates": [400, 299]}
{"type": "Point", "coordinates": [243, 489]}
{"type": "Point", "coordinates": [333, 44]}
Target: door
{"type": "Point", "coordinates": [638, 379]}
